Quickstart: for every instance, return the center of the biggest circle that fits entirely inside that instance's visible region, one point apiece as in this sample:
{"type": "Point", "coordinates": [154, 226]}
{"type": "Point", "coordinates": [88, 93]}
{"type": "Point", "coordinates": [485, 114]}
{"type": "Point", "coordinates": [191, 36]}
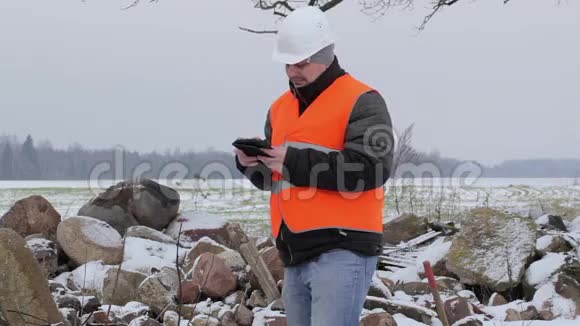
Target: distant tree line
{"type": "Point", "coordinates": [29, 161]}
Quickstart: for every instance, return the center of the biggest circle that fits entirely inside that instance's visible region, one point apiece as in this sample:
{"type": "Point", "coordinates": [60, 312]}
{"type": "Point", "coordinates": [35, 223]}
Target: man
{"type": "Point", "coordinates": [332, 153]}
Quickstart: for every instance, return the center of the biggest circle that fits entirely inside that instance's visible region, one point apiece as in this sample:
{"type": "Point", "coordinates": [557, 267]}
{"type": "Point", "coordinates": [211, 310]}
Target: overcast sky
{"type": "Point", "coordinates": [484, 81]}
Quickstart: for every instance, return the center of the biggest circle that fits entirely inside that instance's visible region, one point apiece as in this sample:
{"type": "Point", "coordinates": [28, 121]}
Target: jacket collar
{"type": "Point", "coordinates": [307, 94]}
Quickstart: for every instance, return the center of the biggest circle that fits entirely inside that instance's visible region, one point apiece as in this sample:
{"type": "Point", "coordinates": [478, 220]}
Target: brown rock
{"type": "Point", "coordinates": [546, 315]}
{"type": "Point", "coordinates": [215, 278]}
{"type": "Point", "coordinates": [243, 315]}
{"type": "Point", "coordinates": [203, 245]}
{"type": "Point", "coordinates": [276, 321]}
{"type": "Point", "coordinates": [457, 309]}
{"type": "Point", "coordinates": [378, 319]}
{"type": "Point", "coordinates": [196, 225]}
{"type": "Point", "coordinates": [159, 290]}
{"type": "Point", "coordinates": [497, 299]}
{"type": "Point", "coordinates": [234, 298]}
{"type": "Point", "coordinates": [531, 313]}
{"type": "Point", "coordinates": [257, 299]}
{"type": "Point", "coordinates": [86, 239]}
{"type": "Point", "coordinates": [227, 319]}
{"type": "Point", "coordinates": [190, 292]}
{"type": "Point", "coordinates": [32, 215]}
{"type": "Point", "coordinates": [23, 284]}
{"type": "Point", "coordinates": [411, 310]}
{"type": "Point", "coordinates": [277, 305]}
{"type": "Point", "coordinates": [274, 264]}
{"type": "Point", "coordinates": [404, 228]}
{"type": "Point", "coordinates": [272, 259]}
{"type": "Point", "coordinates": [569, 288]}
{"type": "Point", "coordinates": [512, 315]}
{"type": "Point", "coordinates": [120, 287]}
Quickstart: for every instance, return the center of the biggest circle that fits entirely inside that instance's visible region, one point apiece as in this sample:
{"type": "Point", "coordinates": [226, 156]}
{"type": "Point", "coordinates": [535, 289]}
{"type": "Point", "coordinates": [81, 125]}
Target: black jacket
{"type": "Point", "coordinates": [368, 142]}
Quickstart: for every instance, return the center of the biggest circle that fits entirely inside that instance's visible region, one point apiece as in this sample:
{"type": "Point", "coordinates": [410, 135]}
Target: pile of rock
{"type": "Point", "coordinates": [123, 260]}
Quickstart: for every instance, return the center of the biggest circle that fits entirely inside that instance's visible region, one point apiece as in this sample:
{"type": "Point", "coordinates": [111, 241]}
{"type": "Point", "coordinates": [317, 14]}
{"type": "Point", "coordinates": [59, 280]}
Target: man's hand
{"type": "Point", "coordinates": [276, 162]}
{"type": "Point", "coordinates": [245, 160]}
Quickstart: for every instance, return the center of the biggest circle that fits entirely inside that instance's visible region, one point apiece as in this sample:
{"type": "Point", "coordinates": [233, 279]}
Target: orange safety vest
{"type": "Point", "coordinates": [322, 126]}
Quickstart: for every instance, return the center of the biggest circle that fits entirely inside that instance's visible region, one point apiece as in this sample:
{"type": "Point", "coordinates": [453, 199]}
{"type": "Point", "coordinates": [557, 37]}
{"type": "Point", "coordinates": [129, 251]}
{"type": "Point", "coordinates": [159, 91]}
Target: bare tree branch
{"type": "Point", "coordinates": [245, 29]}
{"type": "Point", "coordinates": [330, 4]}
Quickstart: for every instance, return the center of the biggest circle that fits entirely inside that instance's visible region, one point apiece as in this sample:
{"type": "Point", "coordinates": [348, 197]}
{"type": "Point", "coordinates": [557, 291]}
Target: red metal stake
{"type": "Point", "coordinates": [435, 291]}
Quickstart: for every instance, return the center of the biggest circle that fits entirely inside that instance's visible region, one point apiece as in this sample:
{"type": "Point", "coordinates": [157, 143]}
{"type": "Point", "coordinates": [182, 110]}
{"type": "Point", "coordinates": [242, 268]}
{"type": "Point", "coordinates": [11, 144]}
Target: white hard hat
{"type": "Point", "coordinates": [302, 33]}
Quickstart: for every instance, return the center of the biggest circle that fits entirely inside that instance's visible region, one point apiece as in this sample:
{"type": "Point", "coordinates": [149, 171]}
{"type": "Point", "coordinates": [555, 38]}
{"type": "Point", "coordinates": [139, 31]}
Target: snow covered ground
{"type": "Point", "coordinates": [238, 200]}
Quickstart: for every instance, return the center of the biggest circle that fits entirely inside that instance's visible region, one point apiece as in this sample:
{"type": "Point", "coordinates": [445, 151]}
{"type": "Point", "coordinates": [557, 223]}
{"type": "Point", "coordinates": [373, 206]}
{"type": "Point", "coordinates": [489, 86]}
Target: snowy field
{"type": "Point", "coordinates": [239, 201]}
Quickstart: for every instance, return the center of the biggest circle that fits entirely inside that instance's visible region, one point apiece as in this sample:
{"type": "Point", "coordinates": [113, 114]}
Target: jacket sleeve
{"type": "Point", "coordinates": [363, 164]}
{"type": "Point", "coordinates": [260, 175]}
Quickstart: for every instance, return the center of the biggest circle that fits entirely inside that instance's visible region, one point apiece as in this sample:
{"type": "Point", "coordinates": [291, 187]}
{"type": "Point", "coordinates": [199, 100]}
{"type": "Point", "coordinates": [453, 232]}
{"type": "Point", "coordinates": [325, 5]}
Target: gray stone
{"type": "Point", "coordinates": [134, 203]}
{"type": "Point", "coordinates": [404, 228]}
{"type": "Point", "coordinates": [492, 249]}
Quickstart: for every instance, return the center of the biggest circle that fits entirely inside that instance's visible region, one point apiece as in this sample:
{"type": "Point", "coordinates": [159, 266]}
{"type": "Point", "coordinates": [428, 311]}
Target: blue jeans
{"type": "Point", "coordinates": [329, 290]}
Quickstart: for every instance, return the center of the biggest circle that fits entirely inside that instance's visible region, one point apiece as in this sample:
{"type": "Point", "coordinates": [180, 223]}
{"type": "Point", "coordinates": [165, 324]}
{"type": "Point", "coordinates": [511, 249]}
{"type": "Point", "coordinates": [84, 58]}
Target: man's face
{"type": "Point", "coordinates": [304, 72]}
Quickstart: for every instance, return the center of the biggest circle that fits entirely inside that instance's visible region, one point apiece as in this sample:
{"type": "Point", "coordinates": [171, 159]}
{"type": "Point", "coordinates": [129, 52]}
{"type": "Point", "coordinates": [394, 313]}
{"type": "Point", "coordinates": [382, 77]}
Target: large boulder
{"type": "Point", "coordinates": [404, 228]}
{"type": "Point", "coordinates": [134, 203]}
{"type": "Point", "coordinates": [492, 249]}
{"type": "Point", "coordinates": [25, 292]}
{"type": "Point", "coordinates": [86, 239]}
{"type": "Point", "coordinates": [32, 215]}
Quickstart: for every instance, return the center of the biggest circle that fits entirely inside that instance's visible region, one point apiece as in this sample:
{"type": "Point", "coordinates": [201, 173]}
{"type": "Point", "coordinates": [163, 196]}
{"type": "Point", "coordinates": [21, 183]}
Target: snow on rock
{"type": "Point", "coordinates": [435, 254]}
{"type": "Point", "coordinates": [86, 239]}
{"type": "Point", "coordinates": [263, 315]}
{"type": "Point", "coordinates": [540, 271]}
{"type": "Point", "coordinates": [403, 320]}
{"type": "Point", "coordinates": [500, 312]}
{"type": "Point", "coordinates": [544, 242]}
{"type": "Point", "coordinates": [492, 249]}
{"type": "Point", "coordinates": [556, 322]}
{"type": "Point", "coordinates": [378, 288]}
{"type": "Point", "coordinates": [543, 220]}
{"type": "Point", "coordinates": [402, 296]}
{"type": "Point", "coordinates": [196, 224]}
{"type": "Point", "coordinates": [403, 275]}
{"type": "Point", "coordinates": [575, 225]}
{"type": "Point", "coordinates": [546, 298]}
{"type": "Point", "coordinates": [135, 307]}
{"type": "Point", "coordinates": [141, 255]}
{"type": "Point", "coordinates": [89, 277]}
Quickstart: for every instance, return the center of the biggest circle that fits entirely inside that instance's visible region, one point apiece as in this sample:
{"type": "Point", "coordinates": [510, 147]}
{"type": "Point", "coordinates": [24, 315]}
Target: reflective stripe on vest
{"type": "Point", "coordinates": [322, 127]}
